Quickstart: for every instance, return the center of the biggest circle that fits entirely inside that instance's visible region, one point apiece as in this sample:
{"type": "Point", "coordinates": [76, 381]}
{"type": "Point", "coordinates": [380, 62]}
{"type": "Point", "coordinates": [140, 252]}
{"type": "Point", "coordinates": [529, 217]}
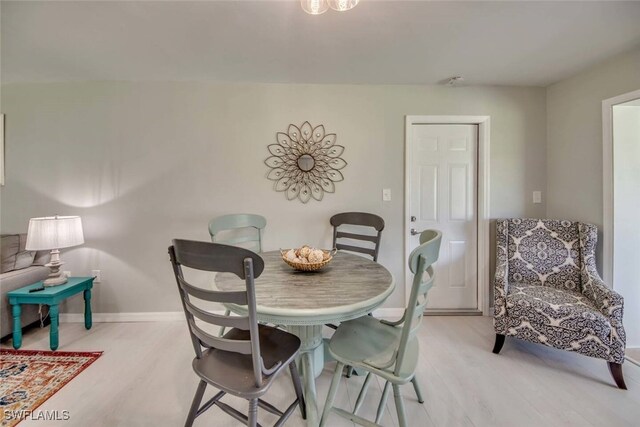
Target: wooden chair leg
{"type": "Point", "coordinates": [297, 385]}
{"type": "Point", "coordinates": [333, 390]}
{"type": "Point", "coordinates": [616, 373]}
{"type": "Point", "coordinates": [383, 401]}
{"type": "Point", "coordinates": [253, 413]}
{"type": "Point", "coordinates": [195, 405]}
{"type": "Point", "coordinates": [402, 418]}
{"type": "Point", "coordinates": [499, 343]}
{"type": "Point", "coordinates": [349, 371]}
{"type": "Point", "coordinates": [363, 393]}
{"type": "Point", "coordinates": [416, 387]}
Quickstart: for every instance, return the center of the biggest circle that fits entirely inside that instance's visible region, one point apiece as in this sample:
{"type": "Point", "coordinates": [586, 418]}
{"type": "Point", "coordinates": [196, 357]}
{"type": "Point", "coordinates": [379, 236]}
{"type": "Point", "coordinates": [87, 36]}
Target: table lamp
{"type": "Point", "coordinates": [54, 233]}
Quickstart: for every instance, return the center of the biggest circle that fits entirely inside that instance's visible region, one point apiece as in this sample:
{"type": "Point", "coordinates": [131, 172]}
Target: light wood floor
{"type": "Point", "coordinates": [144, 378]}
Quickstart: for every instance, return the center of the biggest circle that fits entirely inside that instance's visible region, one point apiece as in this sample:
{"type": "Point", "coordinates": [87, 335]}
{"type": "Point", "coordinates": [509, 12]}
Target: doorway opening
{"type": "Point", "coordinates": [621, 143]}
{"type": "Point", "coordinates": [447, 188]}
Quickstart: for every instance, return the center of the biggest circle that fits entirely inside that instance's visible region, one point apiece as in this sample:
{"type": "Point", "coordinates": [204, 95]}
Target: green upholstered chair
{"type": "Point", "coordinates": [248, 358]}
{"type": "Point", "coordinates": [243, 230]}
{"type": "Point", "coordinates": [386, 349]}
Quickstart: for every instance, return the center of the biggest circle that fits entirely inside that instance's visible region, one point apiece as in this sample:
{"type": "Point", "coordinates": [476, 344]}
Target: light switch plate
{"type": "Point", "coordinates": [386, 194]}
{"type": "Point", "coordinates": [98, 276]}
{"type": "Point", "coordinates": [537, 197]}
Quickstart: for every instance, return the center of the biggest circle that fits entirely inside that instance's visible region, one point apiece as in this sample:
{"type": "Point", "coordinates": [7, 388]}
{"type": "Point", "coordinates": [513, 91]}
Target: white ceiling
{"type": "Point", "coordinates": [505, 43]}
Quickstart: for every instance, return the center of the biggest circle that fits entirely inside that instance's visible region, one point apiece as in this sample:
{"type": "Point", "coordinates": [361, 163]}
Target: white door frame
{"type": "Point", "coordinates": [482, 180]}
{"type": "Point", "coordinates": [607, 181]}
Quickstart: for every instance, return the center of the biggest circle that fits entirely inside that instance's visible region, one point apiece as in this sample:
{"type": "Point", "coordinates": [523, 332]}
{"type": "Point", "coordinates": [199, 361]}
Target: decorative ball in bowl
{"type": "Point", "coordinates": [307, 258]}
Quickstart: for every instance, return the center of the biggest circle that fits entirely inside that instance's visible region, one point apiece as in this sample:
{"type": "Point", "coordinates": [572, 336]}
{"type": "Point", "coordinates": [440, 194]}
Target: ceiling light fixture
{"type": "Point", "coordinates": [314, 7]}
{"type": "Point", "coordinates": [317, 7]}
{"type": "Point", "coordinates": [342, 5]}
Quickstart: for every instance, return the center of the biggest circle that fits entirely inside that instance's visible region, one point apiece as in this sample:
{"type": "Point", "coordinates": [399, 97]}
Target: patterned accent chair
{"type": "Point", "coordinates": [548, 291]}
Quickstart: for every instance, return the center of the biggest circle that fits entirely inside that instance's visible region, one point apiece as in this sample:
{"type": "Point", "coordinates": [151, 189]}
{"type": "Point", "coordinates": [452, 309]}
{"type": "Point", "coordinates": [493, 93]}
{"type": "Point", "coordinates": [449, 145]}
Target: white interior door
{"type": "Point", "coordinates": [442, 176]}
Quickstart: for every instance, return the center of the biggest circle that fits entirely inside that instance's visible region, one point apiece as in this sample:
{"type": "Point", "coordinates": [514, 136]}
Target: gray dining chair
{"type": "Point", "coordinates": [386, 349]}
{"type": "Point", "coordinates": [362, 219]}
{"type": "Point", "coordinates": [249, 227]}
{"type": "Point", "coordinates": [247, 359]}
{"type": "Point", "coordinates": [221, 229]}
{"type": "Point", "coordinates": [370, 242]}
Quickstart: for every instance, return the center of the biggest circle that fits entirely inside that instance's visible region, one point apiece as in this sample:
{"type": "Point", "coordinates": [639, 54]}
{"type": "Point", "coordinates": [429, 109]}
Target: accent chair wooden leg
{"type": "Point", "coordinates": [616, 373]}
{"type": "Point", "coordinates": [195, 405]}
{"type": "Point", "coordinates": [499, 343]}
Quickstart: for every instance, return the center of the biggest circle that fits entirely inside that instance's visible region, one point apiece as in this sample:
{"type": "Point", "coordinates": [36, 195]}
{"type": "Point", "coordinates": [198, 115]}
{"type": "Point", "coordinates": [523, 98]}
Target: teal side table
{"type": "Point", "coordinates": [51, 296]}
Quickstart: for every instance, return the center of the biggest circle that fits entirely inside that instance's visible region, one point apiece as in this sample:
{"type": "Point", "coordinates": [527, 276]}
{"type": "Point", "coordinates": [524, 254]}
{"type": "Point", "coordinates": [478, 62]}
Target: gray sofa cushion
{"type": "Point", "coordinates": [42, 257]}
{"type": "Point", "coordinates": [14, 280]}
{"type": "Point", "coordinates": [13, 253]}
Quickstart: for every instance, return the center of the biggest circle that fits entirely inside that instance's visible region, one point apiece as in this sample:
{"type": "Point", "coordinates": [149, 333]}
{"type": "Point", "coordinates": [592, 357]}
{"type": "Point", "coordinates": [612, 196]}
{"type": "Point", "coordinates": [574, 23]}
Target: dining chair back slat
{"type": "Point", "coordinates": [362, 219]}
{"type": "Point", "coordinates": [367, 251]}
{"type": "Point", "coordinates": [207, 340]}
{"type": "Point", "coordinates": [237, 297]}
{"type": "Point", "coordinates": [216, 319]}
{"type": "Point", "coordinates": [220, 229]}
{"type": "Point", "coordinates": [367, 238]}
{"type": "Point", "coordinates": [218, 258]}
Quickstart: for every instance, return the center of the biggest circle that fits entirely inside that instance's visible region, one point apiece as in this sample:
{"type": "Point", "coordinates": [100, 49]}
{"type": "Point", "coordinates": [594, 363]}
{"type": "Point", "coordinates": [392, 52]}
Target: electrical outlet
{"type": "Point", "coordinates": [98, 276]}
{"type": "Point", "coordinates": [67, 273]}
{"type": "Point", "coordinates": [537, 197]}
{"type": "Point", "coordinates": [386, 194]}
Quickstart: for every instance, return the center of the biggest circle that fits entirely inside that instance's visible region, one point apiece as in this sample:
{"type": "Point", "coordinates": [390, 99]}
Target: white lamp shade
{"type": "Point", "coordinates": [54, 232]}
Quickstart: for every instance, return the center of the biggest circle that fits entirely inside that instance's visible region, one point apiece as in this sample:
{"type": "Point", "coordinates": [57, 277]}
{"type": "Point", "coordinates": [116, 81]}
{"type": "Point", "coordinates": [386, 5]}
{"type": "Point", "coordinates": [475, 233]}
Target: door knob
{"type": "Point", "coordinates": [414, 232]}
{"type": "Point", "coordinates": [413, 218]}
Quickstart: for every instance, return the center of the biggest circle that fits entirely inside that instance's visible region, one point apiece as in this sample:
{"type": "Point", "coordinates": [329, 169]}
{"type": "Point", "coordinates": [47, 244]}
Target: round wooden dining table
{"type": "Point", "coordinates": [350, 286]}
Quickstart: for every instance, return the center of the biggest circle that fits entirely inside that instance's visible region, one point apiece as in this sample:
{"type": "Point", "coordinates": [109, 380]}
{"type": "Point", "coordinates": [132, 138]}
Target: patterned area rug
{"type": "Point", "coordinates": [28, 378]}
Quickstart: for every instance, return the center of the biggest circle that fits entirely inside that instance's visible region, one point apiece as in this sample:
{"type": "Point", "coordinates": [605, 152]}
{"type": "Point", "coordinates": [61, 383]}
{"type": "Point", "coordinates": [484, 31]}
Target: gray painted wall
{"type": "Point", "coordinates": [574, 137]}
{"type": "Point", "coordinates": [145, 162]}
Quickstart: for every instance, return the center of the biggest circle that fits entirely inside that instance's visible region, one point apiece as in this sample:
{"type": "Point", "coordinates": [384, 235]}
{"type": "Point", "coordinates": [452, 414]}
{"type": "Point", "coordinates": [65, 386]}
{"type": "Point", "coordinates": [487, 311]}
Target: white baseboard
{"type": "Point", "coordinates": [172, 316]}
{"type": "Point", "coordinates": [160, 316]}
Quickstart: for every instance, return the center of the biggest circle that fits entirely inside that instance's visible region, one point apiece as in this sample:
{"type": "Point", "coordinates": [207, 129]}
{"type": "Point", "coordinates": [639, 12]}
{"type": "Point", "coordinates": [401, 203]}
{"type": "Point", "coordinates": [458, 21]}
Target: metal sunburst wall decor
{"type": "Point", "coordinates": [306, 162]}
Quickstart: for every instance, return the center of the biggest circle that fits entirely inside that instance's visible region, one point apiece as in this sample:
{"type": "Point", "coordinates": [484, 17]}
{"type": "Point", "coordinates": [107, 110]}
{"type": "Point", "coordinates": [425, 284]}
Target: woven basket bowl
{"type": "Point", "coordinates": [308, 266]}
